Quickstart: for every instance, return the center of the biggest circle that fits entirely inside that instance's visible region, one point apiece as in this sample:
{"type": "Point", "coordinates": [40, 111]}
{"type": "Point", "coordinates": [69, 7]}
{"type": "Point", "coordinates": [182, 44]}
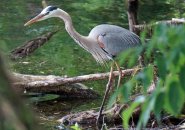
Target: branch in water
{"type": "Point", "coordinates": [30, 46]}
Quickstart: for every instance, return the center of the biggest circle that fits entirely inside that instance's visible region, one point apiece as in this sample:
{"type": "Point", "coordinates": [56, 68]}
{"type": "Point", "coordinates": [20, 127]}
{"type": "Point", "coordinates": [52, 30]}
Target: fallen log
{"type": "Point", "coordinates": [30, 46]}
{"type": "Point", "coordinates": [33, 81]}
{"type": "Point", "coordinates": [61, 85]}
{"type": "Point", "coordinates": [132, 12]}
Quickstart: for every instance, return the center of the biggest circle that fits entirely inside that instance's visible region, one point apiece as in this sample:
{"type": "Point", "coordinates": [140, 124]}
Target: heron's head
{"type": "Point", "coordinates": [48, 12]}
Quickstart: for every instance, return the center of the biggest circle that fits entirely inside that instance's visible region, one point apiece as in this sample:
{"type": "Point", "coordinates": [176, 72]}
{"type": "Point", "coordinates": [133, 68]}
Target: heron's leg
{"type": "Point", "coordinates": [119, 81]}
{"type": "Point", "coordinates": [120, 74]}
{"type": "Point", "coordinates": [108, 86]}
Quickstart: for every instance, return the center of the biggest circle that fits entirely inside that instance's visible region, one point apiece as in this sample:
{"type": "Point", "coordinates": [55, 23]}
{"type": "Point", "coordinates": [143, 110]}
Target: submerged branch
{"type": "Point", "coordinates": [30, 46]}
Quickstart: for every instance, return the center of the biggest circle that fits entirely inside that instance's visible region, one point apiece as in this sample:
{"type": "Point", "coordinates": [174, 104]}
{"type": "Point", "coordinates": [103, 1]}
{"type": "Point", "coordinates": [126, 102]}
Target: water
{"type": "Point", "coordinates": [61, 55]}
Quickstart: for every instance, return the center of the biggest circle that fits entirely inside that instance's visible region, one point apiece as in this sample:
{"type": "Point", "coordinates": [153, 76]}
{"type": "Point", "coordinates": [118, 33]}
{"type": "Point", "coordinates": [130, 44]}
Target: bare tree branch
{"type": "Point", "coordinates": [31, 81]}
{"type": "Point", "coordinates": [132, 14]}
{"type": "Point", "coordinates": [61, 85]}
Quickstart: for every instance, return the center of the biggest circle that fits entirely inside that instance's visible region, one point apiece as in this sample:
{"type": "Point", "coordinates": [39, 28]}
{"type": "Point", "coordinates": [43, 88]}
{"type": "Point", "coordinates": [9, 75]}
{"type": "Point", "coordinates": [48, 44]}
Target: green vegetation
{"type": "Point", "coordinates": [167, 49]}
{"type": "Point", "coordinates": [61, 56]}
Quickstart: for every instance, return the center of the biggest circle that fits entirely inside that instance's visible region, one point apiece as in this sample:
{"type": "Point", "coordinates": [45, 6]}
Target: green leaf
{"type": "Point", "coordinates": [124, 56]}
{"type": "Point", "coordinates": [181, 77]}
{"type": "Point", "coordinates": [146, 76]}
{"type": "Point", "coordinates": [128, 112]}
{"type": "Point", "coordinates": [159, 103]}
{"type": "Point", "coordinates": [130, 56]}
{"type": "Point", "coordinates": [147, 107]}
{"type": "Point", "coordinates": [159, 96]}
{"type": "Point", "coordinates": [161, 64]}
{"type": "Point", "coordinates": [126, 91]}
{"type": "Point", "coordinates": [113, 98]}
{"type": "Point", "coordinates": [174, 96]}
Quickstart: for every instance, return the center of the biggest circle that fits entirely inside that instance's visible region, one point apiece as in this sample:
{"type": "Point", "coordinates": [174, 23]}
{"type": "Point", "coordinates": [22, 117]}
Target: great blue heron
{"type": "Point", "coordinates": [104, 41]}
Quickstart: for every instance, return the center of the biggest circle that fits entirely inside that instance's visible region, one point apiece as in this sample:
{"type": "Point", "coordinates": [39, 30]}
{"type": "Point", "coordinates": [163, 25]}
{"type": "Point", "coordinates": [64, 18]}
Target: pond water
{"type": "Point", "coordinates": [61, 55]}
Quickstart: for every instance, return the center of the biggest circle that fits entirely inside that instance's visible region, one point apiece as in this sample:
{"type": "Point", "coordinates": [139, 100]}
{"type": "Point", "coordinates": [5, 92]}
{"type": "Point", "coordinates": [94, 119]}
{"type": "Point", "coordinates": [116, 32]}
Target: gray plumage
{"type": "Point", "coordinates": [115, 39]}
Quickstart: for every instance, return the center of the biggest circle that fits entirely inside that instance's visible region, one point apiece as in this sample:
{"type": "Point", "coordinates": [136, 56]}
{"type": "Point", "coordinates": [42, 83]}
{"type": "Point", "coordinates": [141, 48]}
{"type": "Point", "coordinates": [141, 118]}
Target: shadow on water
{"type": "Point", "coordinates": [61, 56]}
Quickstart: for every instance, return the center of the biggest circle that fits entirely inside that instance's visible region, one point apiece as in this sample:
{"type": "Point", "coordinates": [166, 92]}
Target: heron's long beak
{"type": "Point", "coordinates": [35, 19]}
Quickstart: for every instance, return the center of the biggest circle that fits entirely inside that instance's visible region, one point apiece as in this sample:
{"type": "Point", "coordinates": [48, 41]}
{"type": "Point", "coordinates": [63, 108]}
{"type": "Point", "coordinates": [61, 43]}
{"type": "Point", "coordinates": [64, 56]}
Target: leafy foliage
{"type": "Point", "coordinates": [167, 51]}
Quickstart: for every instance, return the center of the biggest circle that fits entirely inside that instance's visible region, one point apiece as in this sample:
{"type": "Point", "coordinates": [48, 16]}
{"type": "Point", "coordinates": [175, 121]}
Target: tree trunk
{"type": "Point", "coordinates": [132, 15]}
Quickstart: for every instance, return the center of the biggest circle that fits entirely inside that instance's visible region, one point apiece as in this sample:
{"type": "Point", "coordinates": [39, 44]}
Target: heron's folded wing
{"type": "Point", "coordinates": [116, 42]}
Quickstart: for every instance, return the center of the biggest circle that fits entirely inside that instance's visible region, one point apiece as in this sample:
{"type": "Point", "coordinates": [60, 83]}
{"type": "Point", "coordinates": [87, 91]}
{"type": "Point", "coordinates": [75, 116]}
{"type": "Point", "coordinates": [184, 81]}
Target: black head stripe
{"type": "Point", "coordinates": [51, 8]}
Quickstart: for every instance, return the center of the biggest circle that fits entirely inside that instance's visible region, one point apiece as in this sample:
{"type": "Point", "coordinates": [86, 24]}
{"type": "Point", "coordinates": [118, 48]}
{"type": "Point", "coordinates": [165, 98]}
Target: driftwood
{"type": "Point", "coordinates": [60, 85]}
{"type": "Point", "coordinates": [32, 81]}
{"type": "Point", "coordinates": [30, 46]}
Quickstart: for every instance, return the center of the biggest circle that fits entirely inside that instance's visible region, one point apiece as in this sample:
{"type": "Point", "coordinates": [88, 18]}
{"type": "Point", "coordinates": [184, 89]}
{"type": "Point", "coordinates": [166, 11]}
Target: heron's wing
{"type": "Point", "coordinates": [116, 42]}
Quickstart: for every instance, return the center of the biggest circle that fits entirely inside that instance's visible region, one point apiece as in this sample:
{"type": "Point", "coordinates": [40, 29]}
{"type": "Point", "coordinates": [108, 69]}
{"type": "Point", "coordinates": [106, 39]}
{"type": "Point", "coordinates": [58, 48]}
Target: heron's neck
{"type": "Point", "coordinates": [69, 26]}
{"type": "Point", "coordinates": [88, 43]}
